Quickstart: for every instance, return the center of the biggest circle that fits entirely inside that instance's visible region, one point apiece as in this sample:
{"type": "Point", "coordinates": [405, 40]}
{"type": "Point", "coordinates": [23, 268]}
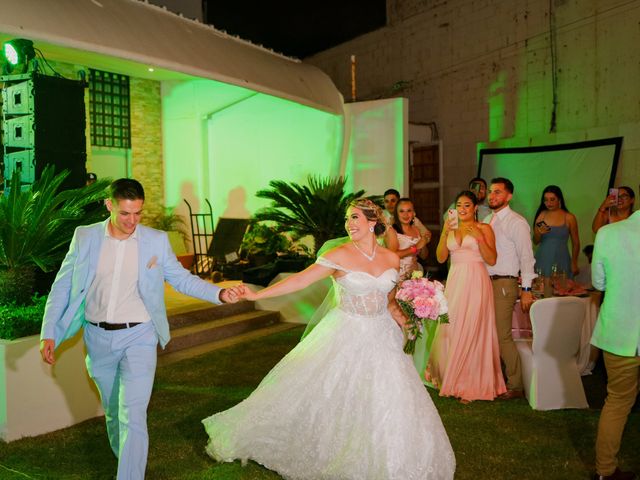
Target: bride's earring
{"type": "Point", "coordinates": [371, 229]}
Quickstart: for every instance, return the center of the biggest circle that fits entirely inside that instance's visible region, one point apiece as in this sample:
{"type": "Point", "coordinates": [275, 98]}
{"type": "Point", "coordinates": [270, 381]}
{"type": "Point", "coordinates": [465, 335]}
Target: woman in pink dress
{"type": "Point", "coordinates": [465, 357]}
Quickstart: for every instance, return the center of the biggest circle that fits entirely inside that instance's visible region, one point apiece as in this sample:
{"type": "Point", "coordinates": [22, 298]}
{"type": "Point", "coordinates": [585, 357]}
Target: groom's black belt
{"type": "Point", "coordinates": [498, 277]}
{"type": "Point", "coordinates": [115, 326]}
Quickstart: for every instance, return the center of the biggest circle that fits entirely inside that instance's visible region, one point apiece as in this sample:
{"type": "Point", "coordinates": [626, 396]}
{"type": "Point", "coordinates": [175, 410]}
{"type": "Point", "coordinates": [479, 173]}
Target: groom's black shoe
{"type": "Point", "coordinates": [617, 475]}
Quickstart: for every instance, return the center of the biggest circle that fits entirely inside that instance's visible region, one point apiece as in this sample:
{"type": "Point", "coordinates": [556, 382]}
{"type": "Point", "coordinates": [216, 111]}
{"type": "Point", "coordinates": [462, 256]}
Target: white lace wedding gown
{"type": "Point", "coordinates": [345, 403]}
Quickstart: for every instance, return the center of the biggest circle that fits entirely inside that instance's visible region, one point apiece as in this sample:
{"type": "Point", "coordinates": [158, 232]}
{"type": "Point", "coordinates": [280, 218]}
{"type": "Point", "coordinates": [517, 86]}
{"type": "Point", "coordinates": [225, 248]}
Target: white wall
{"type": "Point", "coordinates": [482, 70]}
{"type": "Point", "coordinates": [375, 156]}
{"type": "Point", "coordinates": [223, 143]}
{"type": "Point", "coordinates": [37, 398]}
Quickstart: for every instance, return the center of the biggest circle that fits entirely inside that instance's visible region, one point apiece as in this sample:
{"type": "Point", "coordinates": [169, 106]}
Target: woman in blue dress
{"type": "Point", "coordinates": [552, 228]}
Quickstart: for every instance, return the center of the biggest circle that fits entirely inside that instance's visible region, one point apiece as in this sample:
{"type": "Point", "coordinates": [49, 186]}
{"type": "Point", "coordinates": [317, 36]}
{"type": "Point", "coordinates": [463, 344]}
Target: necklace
{"type": "Point", "coordinates": [368, 257]}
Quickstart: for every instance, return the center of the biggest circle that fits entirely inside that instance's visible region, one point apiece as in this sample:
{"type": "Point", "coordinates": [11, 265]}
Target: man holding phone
{"type": "Point", "coordinates": [479, 187]}
{"type": "Point", "coordinates": [515, 256]}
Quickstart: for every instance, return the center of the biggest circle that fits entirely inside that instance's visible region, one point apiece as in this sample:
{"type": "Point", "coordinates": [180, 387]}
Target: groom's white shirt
{"type": "Point", "coordinates": [113, 296]}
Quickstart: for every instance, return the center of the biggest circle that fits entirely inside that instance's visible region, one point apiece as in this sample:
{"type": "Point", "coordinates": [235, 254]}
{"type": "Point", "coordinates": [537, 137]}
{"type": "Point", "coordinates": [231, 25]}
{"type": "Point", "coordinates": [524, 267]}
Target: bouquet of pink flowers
{"type": "Point", "coordinates": [421, 299]}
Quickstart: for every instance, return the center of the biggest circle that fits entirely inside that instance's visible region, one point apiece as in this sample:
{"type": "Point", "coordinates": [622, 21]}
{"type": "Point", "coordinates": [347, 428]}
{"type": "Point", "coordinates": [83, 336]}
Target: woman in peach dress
{"type": "Point", "coordinates": [465, 357]}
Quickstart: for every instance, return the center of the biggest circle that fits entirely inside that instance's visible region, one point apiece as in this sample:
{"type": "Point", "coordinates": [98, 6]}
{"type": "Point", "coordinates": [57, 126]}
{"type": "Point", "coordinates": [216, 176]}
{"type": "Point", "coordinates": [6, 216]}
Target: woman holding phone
{"type": "Point", "coordinates": [465, 356]}
{"type": "Point", "coordinates": [553, 226]}
{"type": "Point", "coordinates": [617, 206]}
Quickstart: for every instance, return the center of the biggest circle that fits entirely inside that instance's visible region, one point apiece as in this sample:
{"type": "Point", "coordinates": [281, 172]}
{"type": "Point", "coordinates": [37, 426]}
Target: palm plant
{"type": "Point", "coordinates": [36, 227]}
{"type": "Point", "coordinates": [169, 221]}
{"type": "Point", "coordinates": [317, 209]}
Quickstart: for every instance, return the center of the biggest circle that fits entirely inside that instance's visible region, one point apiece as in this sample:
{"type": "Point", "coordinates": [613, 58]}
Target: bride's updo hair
{"type": "Point", "coordinates": [372, 212]}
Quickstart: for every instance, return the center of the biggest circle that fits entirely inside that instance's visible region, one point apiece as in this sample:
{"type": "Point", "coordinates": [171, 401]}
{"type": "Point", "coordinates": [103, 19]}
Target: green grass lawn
{"type": "Point", "coordinates": [492, 440]}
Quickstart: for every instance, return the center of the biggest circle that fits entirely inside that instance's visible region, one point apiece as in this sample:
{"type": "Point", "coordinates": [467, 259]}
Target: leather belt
{"type": "Point", "coordinates": [500, 277]}
{"type": "Point", "coordinates": [115, 326]}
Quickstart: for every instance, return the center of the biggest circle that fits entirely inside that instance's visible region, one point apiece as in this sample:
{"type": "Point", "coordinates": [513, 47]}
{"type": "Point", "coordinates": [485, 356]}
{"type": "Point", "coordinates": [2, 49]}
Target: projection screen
{"type": "Point", "coordinates": [584, 172]}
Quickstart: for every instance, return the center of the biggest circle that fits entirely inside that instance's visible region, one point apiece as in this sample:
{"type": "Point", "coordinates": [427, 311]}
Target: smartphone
{"type": "Point", "coordinates": [452, 215]}
{"type": "Point", "coordinates": [614, 193]}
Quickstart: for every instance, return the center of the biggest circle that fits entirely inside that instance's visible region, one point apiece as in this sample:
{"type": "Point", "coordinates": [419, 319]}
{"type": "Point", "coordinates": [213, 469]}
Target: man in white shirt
{"type": "Point", "coordinates": [111, 283]}
{"type": "Point", "coordinates": [390, 198]}
{"type": "Point", "coordinates": [615, 268]}
{"type": "Point", "coordinates": [515, 256]}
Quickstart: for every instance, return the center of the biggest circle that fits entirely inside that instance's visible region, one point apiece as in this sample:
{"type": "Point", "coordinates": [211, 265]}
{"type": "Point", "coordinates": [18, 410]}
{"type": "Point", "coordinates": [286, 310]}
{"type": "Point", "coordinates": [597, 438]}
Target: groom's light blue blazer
{"type": "Point", "coordinates": [64, 312]}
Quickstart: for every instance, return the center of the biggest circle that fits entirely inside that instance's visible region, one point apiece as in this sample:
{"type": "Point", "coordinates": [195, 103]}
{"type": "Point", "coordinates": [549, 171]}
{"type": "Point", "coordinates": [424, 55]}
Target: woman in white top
{"type": "Point", "coordinates": [412, 242]}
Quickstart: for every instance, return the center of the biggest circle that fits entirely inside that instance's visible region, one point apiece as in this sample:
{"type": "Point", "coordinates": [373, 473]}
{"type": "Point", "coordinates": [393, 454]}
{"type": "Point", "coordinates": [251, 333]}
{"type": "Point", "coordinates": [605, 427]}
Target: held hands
{"type": "Point", "coordinates": [239, 292]}
{"type": "Point", "coordinates": [234, 294]}
{"type": "Point", "coordinates": [229, 295]}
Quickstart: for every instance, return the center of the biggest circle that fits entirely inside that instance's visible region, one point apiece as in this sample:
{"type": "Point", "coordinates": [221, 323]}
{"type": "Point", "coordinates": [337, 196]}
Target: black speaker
{"type": "Point", "coordinates": [44, 124]}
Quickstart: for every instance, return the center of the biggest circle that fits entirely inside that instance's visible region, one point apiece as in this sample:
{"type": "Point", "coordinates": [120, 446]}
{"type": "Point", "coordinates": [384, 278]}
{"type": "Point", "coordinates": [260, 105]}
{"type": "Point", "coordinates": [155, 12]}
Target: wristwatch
{"type": "Point", "coordinates": [526, 289]}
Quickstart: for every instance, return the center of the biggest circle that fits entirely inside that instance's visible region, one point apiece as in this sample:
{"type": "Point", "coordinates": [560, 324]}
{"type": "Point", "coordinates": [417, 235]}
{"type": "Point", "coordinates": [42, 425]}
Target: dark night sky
{"type": "Point", "coordinates": [297, 28]}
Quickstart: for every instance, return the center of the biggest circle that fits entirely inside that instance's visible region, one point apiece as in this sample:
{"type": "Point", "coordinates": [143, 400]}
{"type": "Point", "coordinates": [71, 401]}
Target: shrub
{"type": "Point", "coordinates": [317, 209]}
{"type": "Point", "coordinates": [36, 226]}
{"type": "Point", "coordinates": [21, 320]}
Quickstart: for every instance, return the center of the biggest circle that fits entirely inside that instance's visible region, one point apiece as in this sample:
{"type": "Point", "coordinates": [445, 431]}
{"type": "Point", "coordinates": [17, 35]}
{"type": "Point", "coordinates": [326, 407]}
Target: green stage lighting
{"type": "Point", "coordinates": [18, 52]}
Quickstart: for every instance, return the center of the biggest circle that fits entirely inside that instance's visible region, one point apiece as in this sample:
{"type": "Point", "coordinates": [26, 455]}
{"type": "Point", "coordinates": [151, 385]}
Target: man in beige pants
{"type": "Point", "coordinates": [515, 256]}
{"type": "Point", "coordinates": [615, 268]}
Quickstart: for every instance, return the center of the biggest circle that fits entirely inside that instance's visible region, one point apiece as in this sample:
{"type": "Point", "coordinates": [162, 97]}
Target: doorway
{"type": "Point", "coordinates": [425, 189]}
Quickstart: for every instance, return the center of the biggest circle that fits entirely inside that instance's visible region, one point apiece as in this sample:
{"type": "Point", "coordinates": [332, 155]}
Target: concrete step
{"type": "Point", "coordinates": [176, 356]}
{"type": "Point", "coordinates": [192, 314]}
{"type": "Point", "coordinates": [218, 328]}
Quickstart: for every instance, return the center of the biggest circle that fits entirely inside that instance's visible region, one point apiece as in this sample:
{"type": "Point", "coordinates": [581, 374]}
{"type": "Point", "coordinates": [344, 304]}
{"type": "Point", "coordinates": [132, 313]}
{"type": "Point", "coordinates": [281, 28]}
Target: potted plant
{"type": "Point", "coordinates": [176, 227]}
{"type": "Point", "coordinates": [36, 227]}
{"type": "Point", "coordinates": [262, 243]}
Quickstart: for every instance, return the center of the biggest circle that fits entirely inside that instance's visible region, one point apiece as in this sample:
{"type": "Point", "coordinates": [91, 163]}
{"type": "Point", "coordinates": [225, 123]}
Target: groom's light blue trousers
{"type": "Point", "coordinates": [122, 363]}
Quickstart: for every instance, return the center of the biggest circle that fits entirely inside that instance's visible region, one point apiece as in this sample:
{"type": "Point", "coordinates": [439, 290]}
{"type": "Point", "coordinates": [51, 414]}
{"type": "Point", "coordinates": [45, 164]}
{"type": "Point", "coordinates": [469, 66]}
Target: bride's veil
{"type": "Point", "coordinates": [330, 300]}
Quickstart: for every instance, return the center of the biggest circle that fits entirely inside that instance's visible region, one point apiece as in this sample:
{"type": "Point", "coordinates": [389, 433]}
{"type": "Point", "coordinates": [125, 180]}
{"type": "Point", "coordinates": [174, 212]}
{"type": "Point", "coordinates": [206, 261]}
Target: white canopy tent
{"type": "Point", "coordinates": [129, 36]}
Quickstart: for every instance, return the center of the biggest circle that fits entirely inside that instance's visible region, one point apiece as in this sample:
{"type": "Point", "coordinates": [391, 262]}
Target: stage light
{"type": "Point", "coordinates": [18, 52]}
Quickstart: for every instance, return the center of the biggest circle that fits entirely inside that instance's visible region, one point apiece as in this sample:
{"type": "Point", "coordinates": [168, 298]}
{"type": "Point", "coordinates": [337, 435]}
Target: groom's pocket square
{"type": "Point", "coordinates": [152, 262]}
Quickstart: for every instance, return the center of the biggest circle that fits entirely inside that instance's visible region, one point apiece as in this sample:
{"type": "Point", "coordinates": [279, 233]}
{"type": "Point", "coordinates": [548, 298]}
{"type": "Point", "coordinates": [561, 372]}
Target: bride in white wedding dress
{"type": "Point", "coordinates": [346, 402]}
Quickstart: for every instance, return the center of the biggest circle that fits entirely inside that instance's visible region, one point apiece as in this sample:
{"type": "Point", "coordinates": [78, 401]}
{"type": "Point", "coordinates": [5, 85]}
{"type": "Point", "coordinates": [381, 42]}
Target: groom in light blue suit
{"type": "Point", "coordinates": [112, 283]}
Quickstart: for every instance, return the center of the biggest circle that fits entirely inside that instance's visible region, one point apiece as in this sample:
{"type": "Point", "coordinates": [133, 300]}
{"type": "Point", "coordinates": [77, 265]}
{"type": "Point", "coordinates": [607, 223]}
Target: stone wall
{"type": "Point", "coordinates": [484, 72]}
{"type": "Point", "coordinates": [146, 142]}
